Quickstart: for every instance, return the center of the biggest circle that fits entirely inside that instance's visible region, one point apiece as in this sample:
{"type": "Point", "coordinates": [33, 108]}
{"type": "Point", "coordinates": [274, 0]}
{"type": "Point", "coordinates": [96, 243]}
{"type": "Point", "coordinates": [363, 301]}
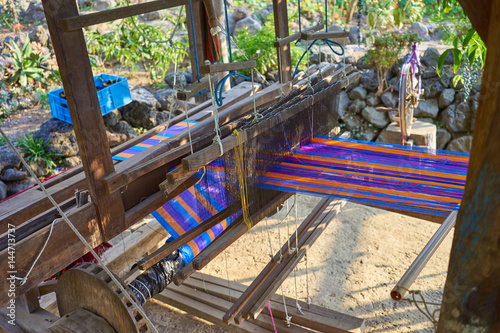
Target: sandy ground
{"type": "Point", "coordinates": [352, 268]}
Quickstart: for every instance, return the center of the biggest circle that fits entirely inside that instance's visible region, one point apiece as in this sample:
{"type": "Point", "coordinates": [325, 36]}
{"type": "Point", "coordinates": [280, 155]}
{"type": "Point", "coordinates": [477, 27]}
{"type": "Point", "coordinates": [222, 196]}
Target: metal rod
{"type": "Point", "coordinates": [416, 267]}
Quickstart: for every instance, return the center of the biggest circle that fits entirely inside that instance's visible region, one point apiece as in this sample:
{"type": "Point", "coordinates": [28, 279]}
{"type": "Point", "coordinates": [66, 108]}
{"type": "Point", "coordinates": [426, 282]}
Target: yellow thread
{"type": "Point", "coordinates": [238, 152]}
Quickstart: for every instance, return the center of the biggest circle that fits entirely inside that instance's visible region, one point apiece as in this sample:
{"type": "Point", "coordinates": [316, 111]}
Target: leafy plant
{"type": "Point", "coordinates": [385, 52]}
{"type": "Point", "coordinates": [27, 64]}
{"type": "Point", "coordinates": [35, 151]}
{"type": "Point", "coordinates": [43, 99]}
{"type": "Point", "coordinates": [259, 44]}
{"type": "Point", "coordinates": [469, 56]}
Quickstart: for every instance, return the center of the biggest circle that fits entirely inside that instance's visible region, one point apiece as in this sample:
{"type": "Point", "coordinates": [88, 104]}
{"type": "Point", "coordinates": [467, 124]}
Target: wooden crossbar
{"type": "Point", "coordinates": [196, 88]}
{"type": "Point", "coordinates": [227, 67]}
{"type": "Point", "coordinates": [297, 35]}
{"type": "Point", "coordinates": [324, 35]}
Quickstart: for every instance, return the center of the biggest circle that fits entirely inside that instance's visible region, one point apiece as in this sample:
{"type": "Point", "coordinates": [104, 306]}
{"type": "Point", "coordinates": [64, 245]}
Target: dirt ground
{"type": "Point", "coordinates": [352, 268]}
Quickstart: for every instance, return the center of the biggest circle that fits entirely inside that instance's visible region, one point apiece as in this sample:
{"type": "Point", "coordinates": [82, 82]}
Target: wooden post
{"type": "Point", "coordinates": [350, 13]}
{"type": "Point", "coordinates": [471, 300]}
{"type": "Point", "coordinates": [281, 27]}
{"type": "Point", "coordinates": [81, 94]}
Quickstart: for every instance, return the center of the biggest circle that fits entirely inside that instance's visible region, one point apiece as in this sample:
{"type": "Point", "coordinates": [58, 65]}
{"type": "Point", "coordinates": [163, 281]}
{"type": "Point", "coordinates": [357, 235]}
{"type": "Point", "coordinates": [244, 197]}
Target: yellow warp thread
{"type": "Point", "coordinates": [238, 153]}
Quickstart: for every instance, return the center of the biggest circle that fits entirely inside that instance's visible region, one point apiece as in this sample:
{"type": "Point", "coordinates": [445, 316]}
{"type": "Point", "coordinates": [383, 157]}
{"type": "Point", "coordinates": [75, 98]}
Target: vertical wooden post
{"type": "Point", "coordinates": [281, 28]}
{"type": "Point", "coordinates": [471, 300]}
{"type": "Point", "coordinates": [199, 24]}
{"type": "Point", "coordinates": [350, 13]}
{"type": "Point", "coordinates": [76, 73]}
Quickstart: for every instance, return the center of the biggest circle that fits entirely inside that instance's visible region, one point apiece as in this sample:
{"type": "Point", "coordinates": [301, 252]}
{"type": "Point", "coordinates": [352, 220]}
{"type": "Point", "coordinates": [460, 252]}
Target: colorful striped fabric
{"type": "Point", "coordinates": [384, 175]}
{"type": "Point", "coordinates": [185, 211]}
{"type": "Point", "coordinates": [171, 131]}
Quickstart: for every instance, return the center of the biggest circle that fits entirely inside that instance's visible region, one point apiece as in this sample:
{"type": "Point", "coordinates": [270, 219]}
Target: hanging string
{"type": "Point", "coordinates": [288, 227]}
{"type": "Point", "coordinates": [297, 305]}
{"type": "Point", "coordinates": [431, 316]}
{"type": "Point", "coordinates": [188, 127]}
{"type": "Point", "coordinates": [194, 41]}
{"type": "Point", "coordinates": [174, 91]}
{"type": "Point", "coordinates": [256, 115]}
{"type": "Point", "coordinates": [271, 252]}
{"type": "Point", "coordinates": [288, 318]}
{"type": "Point", "coordinates": [279, 233]}
{"type": "Point", "coordinates": [308, 299]}
{"type": "Point", "coordinates": [328, 42]}
{"type": "Point", "coordinates": [78, 234]}
{"type": "Point", "coordinates": [240, 166]}
{"type": "Point", "coordinates": [271, 313]}
{"type": "Point", "coordinates": [296, 228]}
{"type": "Point", "coordinates": [217, 139]}
{"type": "Point", "coordinates": [280, 72]}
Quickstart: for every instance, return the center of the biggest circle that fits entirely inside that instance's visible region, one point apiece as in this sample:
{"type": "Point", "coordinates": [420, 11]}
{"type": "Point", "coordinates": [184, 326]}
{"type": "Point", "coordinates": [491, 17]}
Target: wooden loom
{"type": "Point", "coordinates": [117, 190]}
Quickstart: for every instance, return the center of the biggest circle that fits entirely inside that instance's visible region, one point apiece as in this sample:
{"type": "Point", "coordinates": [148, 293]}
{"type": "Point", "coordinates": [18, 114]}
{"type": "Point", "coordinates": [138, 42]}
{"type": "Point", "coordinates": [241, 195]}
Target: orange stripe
{"type": "Point", "coordinates": [171, 221]}
{"type": "Point", "coordinates": [194, 247]}
{"type": "Point", "coordinates": [189, 210]}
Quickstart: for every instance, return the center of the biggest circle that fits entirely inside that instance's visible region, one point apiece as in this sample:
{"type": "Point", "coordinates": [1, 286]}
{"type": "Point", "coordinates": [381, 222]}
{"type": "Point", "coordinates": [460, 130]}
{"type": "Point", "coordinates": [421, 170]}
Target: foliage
{"type": "Point", "coordinates": [385, 52]}
{"type": "Point", "coordinates": [259, 44]}
{"type": "Point", "coordinates": [469, 54]}
{"type": "Point", "coordinates": [27, 64]}
{"type": "Point", "coordinates": [43, 99]}
{"type": "Point", "coordinates": [35, 151]}
{"type": "Point", "coordinates": [2, 141]}
{"type": "Point", "coordinates": [130, 48]}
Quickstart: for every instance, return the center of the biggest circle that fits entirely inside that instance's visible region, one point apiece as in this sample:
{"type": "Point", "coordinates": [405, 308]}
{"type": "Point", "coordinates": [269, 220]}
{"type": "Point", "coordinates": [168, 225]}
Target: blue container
{"type": "Point", "coordinates": [110, 98]}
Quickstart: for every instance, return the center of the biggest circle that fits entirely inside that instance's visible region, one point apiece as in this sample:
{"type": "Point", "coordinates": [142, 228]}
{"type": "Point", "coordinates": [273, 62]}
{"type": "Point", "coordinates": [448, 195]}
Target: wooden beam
{"type": "Point", "coordinates": [81, 321]}
{"type": "Point", "coordinates": [280, 13]}
{"type": "Point", "coordinates": [195, 88]}
{"type": "Point", "coordinates": [170, 247]}
{"type": "Point", "coordinates": [76, 22]}
{"type": "Point", "coordinates": [36, 322]}
{"type": "Point", "coordinates": [478, 12]}
{"type": "Point", "coordinates": [231, 66]}
{"type": "Point", "coordinates": [292, 38]}
{"type": "Point", "coordinates": [197, 35]}
{"type": "Point", "coordinates": [324, 35]}
{"type": "Point", "coordinates": [472, 291]}
{"type": "Point", "coordinates": [78, 82]}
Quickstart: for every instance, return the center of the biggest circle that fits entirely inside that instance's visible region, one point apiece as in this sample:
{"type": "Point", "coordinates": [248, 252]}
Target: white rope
{"type": "Point", "coordinates": [188, 126]}
{"type": "Point", "coordinates": [270, 243]}
{"type": "Point", "coordinates": [297, 305]}
{"type": "Point", "coordinates": [288, 226]}
{"type": "Point", "coordinates": [343, 60]}
{"type": "Point", "coordinates": [149, 292]}
{"type": "Point", "coordinates": [279, 234]}
{"type": "Point", "coordinates": [78, 234]}
{"type": "Point", "coordinates": [143, 297]}
{"type": "Point", "coordinates": [280, 69]}
{"type": "Point", "coordinates": [296, 226]}
{"type": "Point", "coordinates": [217, 139]}
{"type": "Point", "coordinates": [288, 318]}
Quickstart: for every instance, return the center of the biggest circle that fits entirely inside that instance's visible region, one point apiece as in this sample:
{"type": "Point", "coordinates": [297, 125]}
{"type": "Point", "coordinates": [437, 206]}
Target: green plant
{"type": "Point", "coordinates": [259, 44]}
{"type": "Point", "coordinates": [385, 52]}
{"type": "Point", "coordinates": [27, 64]}
{"type": "Point", "coordinates": [469, 56]}
{"type": "Point", "coordinates": [36, 151]}
{"type": "Point", "coordinates": [130, 48]}
{"type": "Point", "coordinates": [43, 99]}
{"type": "Point", "coordinates": [2, 141]}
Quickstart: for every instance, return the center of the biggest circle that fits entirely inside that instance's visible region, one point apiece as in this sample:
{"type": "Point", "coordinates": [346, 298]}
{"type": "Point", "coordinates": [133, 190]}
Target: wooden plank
{"type": "Point", "coordinates": [81, 321]}
{"type": "Point", "coordinates": [197, 35]}
{"type": "Point", "coordinates": [201, 158]}
{"type": "Point", "coordinates": [324, 35]}
{"type": "Point", "coordinates": [63, 248]}
{"type": "Point", "coordinates": [471, 294]}
{"type": "Point", "coordinates": [478, 12]}
{"type": "Point", "coordinates": [170, 247]}
{"type": "Point", "coordinates": [76, 22]}
{"type": "Point", "coordinates": [212, 16]}
{"type": "Point", "coordinates": [296, 36]}
{"type": "Point", "coordinates": [281, 28]}
{"type": "Point", "coordinates": [47, 287]}
{"type": "Point", "coordinates": [36, 322]}
{"type": "Point", "coordinates": [228, 67]}
{"type": "Point", "coordinates": [196, 87]}
{"type": "Point", "coordinates": [204, 311]}
{"type": "Point", "coordinates": [78, 82]}
{"type": "Point", "coordinates": [29, 300]}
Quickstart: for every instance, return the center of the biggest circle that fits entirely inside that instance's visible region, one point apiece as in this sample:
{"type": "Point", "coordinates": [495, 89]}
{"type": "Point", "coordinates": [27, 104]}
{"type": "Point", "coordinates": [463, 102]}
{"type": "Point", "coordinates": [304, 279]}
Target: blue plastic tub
{"type": "Point", "coordinates": [110, 98]}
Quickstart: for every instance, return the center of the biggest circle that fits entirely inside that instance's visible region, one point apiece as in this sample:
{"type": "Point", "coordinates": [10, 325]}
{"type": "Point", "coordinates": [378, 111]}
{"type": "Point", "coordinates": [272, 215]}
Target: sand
{"type": "Point", "coordinates": [352, 268]}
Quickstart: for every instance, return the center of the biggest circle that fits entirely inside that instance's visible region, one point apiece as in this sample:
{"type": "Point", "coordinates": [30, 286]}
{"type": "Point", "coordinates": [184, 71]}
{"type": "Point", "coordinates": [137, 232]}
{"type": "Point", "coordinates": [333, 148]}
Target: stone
{"type": "Point", "coordinates": [240, 13]}
{"type": "Point", "coordinates": [40, 35]}
{"type": "Point", "coordinates": [353, 122]}
{"type": "Point", "coordinates": [429, 73]}
{"type": "Point", "coordinates": [12, 175]}
{"type": "Point", "coordinates": [381, 135]}
{"type": "Point", "coordinates": [232, 24]}
{"type": "Point", "coordinates": [141, 112]}
{"type": "Point", "coordinates": [358, 93]}
{"type": "Point", "coordinates": [152, 16]}
{"type": "Point", "coordinates": [372, 100]}
{"type": "Point", "coordinates": [70, 162]}
{"type": "Point", "coordinates": [100, 5]}
{"type": "Point", "coordinates": [446, 79]}
{"type": "Point", "coordinates": [357, 106]}
{"type": "Point", "coordinates": [423, 134]}
{"type": "Point", "coordinates": [461, 144]}
{"type": "Point", "coordinates": [428, 108]}
{"type": "Point", "coordinates": [162, 117]}
{"type": "Point", "coordinates": [459, 97]}
{"type": "Point", "coordinates": [8, 159]}
{"type": "Point", "coordinates": [16, 187]}
{"type": "Point", "coordinates": [442, 138]}
{"type": "Point", "coordinates": [112, 118]}
{"type": "Point", "coordinates": [124, 128]}
{"type": "Point", "coordinates": [263, 14]}
{"type": "Point", "coordinates": [369, 80]}
{"type": "Point", "coordinates": [370, 134]}
{"type": "Point", "coordinates": [181, 81]}
{"type": "Point", "coordinates": [457, 118]}
{"type": "Point", "coordinates": [34, 12]}
{"type": "Point", "coordinates": [59, 137]}
{"type": "Point", "coordinates": [432, 88]}
{"type": "Point", "coordinates": [362, 64]}
{"type": "Point", "coordinates": [427, 120]}
{"type": "Point", "coordinates": [446, 98]}
{"type": "Point", "coordinates": [164, 97]}
{"type": "Point", "coordinates": [115, 139]}
{"type": "Point", "coordinates": [394, 83]}
{"type": "Point", "coordinates": [354, 35]}
{"type": "Point", "coordinates": [389, 99]}
{"type": "Point", "coordinates": [378, 119]}
{"type": "Point", "coordinates": [40, 169]}
{"type": "Point", "coordinates": [3, 190]}
{"type": "Point", "coordinates": [249, 23]}
{"type": "Point", "coordinates": [335, 27]}
{"type": "Point", "coordinates": [420, 29]}
{"type": "Point", "coordinates": [343, 103]}
{"type": "Point", "coordinates": [431, 57]}
{"type": "Point", "coordinates": [272, 75]}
